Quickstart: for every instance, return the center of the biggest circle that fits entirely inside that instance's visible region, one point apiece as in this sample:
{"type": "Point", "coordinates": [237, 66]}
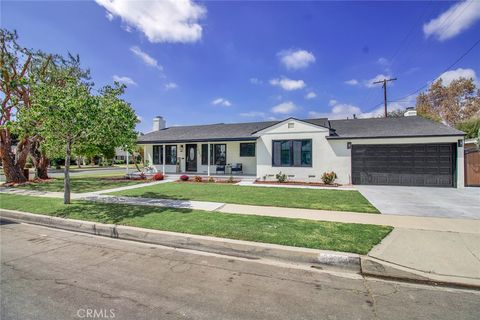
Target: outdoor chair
{"type": "Point", "coordinates": [237, 168]}
{"type": "Point", "coordinates": [220, 168]}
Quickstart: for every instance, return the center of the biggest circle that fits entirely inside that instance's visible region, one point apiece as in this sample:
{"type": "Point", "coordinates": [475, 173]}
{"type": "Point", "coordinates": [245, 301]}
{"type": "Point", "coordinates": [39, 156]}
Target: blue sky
{"type": "Point", "coordinates": [209, 62]}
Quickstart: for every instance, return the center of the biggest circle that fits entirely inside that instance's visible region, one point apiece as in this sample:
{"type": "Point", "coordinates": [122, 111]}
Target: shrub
{"type": "Point", "coordinates": [210, 179]}
{"type": "Point", "coordinates": [119, 161]}
{"type": "Point", "coordinates": [184, 177]}
{"type": "Point", "coordinates": [329, 177]}
{"type": "Point", "coordinates": [230, 180]}
{"type": "Point", "coordinates": [158, 176]}
{"type": "Point", "coordinates": [197, 179]}
{"type": "Point", "coordinates": [281, 177]}
{"type": "Point", "coordinates": [28, 165]}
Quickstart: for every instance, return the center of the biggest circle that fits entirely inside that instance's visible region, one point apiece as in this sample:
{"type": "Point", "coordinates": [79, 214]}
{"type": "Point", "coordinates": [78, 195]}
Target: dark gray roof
{"type": "Point", "coordinates": [412, 126]}
{"type": "Point", "coordinates": [340, 129]}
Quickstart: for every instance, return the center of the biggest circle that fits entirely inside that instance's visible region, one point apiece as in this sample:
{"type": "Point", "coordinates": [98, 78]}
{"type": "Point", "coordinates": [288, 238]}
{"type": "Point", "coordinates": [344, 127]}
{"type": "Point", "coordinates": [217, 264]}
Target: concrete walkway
{"type": "Point", "coordinates": [424, 201]}
{"type": "Point", "coordinates": [450, 257]}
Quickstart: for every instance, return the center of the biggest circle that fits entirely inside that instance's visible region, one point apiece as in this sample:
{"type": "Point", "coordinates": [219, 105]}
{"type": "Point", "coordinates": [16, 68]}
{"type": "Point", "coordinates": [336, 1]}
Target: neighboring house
{"type": "Point", "coordinates": [408, 150]}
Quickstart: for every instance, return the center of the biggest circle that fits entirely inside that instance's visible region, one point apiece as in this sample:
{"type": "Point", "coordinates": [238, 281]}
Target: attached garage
{"type": "Point", "coordinates": [431, 164]}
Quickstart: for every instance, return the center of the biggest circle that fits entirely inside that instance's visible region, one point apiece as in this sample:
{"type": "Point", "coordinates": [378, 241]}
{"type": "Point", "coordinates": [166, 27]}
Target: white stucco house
{"type": "Point", "coordinates": [409, 150]}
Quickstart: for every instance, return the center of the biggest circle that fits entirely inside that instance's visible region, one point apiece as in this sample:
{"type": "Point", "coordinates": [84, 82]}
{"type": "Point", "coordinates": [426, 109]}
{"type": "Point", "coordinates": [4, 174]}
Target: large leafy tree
{"type": "Point", "coordinates": [15, 67]}
{"type": "Point", "coordinates": [452, 104]}
{"type": "Point", "coordinates": [72, 118]}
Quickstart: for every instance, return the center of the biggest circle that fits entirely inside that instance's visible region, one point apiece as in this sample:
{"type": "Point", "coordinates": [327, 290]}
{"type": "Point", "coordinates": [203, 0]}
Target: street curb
{"type": "Point", "coordinates": [238, 248]}
{"type": "Point", "coordinates": [382, 269]}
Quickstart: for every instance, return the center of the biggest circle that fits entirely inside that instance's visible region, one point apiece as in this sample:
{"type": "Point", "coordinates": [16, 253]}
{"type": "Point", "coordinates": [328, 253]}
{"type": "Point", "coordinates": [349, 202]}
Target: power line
{"type": "Point", "coordinates": [445, 70]}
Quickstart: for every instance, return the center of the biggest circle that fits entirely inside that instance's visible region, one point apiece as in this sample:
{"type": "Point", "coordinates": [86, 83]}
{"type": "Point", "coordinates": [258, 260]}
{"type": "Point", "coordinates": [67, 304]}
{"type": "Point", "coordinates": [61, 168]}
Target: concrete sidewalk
{"type": "Point", "coordinates": [449, 257]}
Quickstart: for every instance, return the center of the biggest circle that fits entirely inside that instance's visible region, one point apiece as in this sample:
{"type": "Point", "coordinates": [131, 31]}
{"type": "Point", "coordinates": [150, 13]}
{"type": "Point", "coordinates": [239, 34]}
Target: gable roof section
{"type": "Point", "coordinates": [322, 122]}
{"type": "Point", "coordinates": [339, 129]}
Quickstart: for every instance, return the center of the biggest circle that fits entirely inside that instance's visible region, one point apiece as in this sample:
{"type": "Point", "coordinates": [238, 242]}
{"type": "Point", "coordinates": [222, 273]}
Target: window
{"type": "Point", "coordinates": [205, 154]}
{"type": "Point", "coordinates": [171, 155]}
{"type": "Point", "coordinates": [220, 154]}
{"type": "Point", "coordinates": [157, 154]}
{"type": "Point", "coordinates": [291, 125]}
{"type": "Point", "coordinates": [247, 149]}
{"type": "Point", "coordinates": [292, 153]}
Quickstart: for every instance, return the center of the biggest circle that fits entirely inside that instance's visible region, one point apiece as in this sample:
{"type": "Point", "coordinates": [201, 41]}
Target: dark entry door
{"type": "Point", "coordinates": [191, 157]}
{"type": "Point", "coordinates": [404, 164]}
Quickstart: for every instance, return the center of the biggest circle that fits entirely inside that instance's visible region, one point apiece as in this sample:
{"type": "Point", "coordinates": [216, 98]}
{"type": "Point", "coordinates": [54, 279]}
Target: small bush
{"type": "Point", "coordinates": [230, 180]}
{"type": "Point", "coordinates": [329, 177]}
{"type": "Point", "coordinates": [211, 179]}
{"type": "Point", "coordinates": [184, 177]}
{"type": "Point", "coordinates": [119, 161]}
{"type": "Point", "coordinates": [281, 177]}
{"type": "Point", "coordinates": [197, 179]}
{"type": "Point", "coordinates": [158, 176]}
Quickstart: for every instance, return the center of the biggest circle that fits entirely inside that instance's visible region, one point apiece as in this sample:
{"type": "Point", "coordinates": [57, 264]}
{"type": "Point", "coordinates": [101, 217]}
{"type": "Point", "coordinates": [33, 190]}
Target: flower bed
{"type": "Point", "coordinates": [298, 183]}
{"type": "Point", "coordinates": [207, 180]}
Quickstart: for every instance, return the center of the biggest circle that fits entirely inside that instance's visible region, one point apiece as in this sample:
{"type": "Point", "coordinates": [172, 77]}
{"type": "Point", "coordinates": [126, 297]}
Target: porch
{"type": "Point", "coordinates": [209, 158]}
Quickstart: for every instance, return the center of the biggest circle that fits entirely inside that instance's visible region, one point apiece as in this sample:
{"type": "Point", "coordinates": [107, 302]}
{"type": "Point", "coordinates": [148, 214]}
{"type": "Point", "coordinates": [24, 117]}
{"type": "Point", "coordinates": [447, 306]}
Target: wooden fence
{"type": "Point", "coordinates": [472, 168]}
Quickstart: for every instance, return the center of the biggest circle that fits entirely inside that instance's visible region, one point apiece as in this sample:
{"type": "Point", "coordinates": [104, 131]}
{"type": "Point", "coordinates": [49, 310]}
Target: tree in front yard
{"type": "Point", "coordinates": [73, 118]}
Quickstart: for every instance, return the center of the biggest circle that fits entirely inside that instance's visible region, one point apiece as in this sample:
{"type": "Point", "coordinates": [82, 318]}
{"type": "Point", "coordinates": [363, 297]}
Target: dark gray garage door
{"type": "Point", "coordinates": [404, 164]}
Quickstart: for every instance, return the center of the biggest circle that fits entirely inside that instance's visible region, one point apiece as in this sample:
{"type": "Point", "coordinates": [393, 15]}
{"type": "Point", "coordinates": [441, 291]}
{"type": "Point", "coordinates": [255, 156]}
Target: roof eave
{"type": "Point", "coordinates": [391, 137]}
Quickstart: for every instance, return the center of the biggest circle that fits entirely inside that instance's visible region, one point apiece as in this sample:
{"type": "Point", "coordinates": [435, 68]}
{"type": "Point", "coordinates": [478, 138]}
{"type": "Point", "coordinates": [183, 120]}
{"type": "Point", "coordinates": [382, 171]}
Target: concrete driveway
{"type": "Point", "coordinates": [423, 201]}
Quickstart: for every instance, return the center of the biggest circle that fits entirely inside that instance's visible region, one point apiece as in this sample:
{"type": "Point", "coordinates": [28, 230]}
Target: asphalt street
{"type": "Point", "coordinates": [54, 274]}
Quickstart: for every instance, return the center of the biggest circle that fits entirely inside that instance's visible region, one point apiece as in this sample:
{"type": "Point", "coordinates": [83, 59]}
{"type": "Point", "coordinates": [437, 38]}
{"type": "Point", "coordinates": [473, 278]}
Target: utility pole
{"type": "Point", "coordinates": [384, 81]}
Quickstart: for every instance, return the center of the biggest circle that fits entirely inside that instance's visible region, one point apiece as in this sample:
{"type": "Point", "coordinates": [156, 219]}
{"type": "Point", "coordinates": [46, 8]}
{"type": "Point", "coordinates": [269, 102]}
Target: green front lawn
{"type": "Point", "coordinates": [84, 183]}
{"type": "Point", "coordinates": [347, 237]}
{"type": "Point", "coordinates": [336, 200]}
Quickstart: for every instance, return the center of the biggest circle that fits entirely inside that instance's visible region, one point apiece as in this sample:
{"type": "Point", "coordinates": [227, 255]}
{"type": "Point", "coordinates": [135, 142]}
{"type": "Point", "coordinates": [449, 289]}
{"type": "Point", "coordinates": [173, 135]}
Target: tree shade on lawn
{"type": "Point", "coordinates": [336, 200]}
{"type": "Point", "coordinates": [347, 237]}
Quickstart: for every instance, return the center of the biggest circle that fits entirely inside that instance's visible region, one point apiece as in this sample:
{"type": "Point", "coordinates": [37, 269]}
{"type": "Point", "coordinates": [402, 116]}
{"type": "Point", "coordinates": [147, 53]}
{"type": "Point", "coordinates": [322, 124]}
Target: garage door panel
{"type": "Point", "coordinates": [408, 164]}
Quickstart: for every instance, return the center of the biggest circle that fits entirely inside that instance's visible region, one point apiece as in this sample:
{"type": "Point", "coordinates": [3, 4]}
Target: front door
{"type": "Point", "coordinates": [191, 157]}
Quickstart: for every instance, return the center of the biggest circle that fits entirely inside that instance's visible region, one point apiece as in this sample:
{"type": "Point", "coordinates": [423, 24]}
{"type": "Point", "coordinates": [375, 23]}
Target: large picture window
{"type": "Point", "coordinates": [218, 154]}
{"type": "Point", "coordinates": [247, 149]}
{"type": "Point", "coordinates": [292, 153]}
{"type": "Point", "coordinates": [157, 154]}
{"type": "Point", "coordinates": [205, 154]}
{"type": "Point", "coordinates": [171, 155]}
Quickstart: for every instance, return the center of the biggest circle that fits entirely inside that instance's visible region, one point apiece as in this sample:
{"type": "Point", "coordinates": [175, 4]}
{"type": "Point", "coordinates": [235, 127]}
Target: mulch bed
{"type": "Point", "coordinates": [206, 181]}
{"type": "Point", "coordinates": [299, 183]}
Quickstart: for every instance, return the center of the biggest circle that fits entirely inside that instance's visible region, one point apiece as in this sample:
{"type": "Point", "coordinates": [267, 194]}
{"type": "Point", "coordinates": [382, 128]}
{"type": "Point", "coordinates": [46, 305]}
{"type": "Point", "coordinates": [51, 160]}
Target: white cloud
{"type": "Point", "coordinates": [332, 102]}
{"type": "Point", "coordinates": [344, 110]}
{"type": "Point", "coordinates": [284, 107]}
{"type": "Point", "coordinates": [146, 58]}
{"type": "Point", "coordinates": [170, 86]}
{"type": "Point", "coordinates": [352, 82]}
{"type": "Point", "coordinates": [452, 22]}
{"type": "Point", "coordinates": [160, 20]}
{"type": "Point", "coordinates": [382, 61]}
{"type": "Point", "coordinates": [449, 76]}
{"type": "Point", "coordinates": [109, 16]}
{"type": "Point", "coordinates": [253, 114]}
{"type": "Point", "coordinates": [379, 77]}
{"type": "Point", "coordinates": [296, 59]}
{"type": "Point", "coordinates": [125, 80]}
{"type": "Point", "coordinates": [256, 81]}
{"type": "Point", "coordinates": [221, 102]}
{"type": "Point", "coordinates": [310, 95]}
{"type": "Point", "coordinates": [288, 84]}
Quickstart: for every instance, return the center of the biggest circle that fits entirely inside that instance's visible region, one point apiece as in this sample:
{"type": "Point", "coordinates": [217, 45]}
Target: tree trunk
{"type": "Point", "coordinates": [79, 163]}
{"type": "Point", "coordinates": [40, 160]}
{"type": "Point", "coordinates": [12, 163]}
{"type": "Point", "coordinates": [66, 181]}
